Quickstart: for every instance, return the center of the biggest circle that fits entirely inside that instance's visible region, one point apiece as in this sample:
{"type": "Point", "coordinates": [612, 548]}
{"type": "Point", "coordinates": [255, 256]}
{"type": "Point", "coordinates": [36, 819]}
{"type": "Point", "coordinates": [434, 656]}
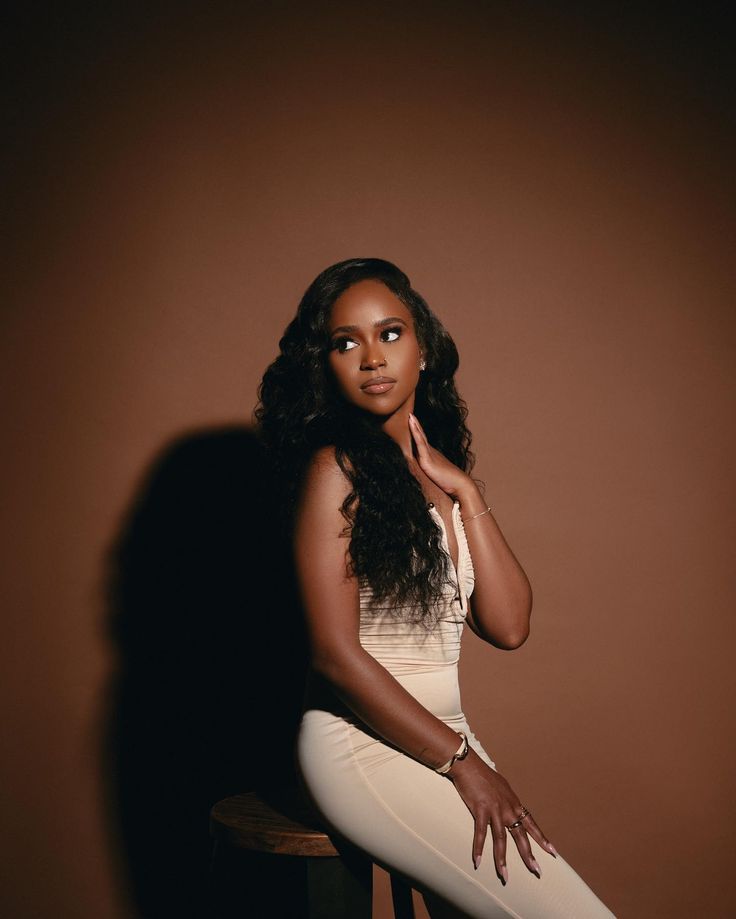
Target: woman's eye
{"type": "Point", "coordinates": [341, 345]}
{"type": "Point", "coordinates": [338, 343]}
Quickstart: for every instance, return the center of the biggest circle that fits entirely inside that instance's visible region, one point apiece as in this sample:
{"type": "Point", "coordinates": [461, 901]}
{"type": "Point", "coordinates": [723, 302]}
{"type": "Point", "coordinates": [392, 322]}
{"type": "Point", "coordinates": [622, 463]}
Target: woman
{"type": "Point", "coordinates": [391, 536]}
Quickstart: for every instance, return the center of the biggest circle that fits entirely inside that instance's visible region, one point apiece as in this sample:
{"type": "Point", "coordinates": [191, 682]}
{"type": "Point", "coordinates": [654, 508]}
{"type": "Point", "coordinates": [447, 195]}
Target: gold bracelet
{"type": "Point", "coordinates": [461, 754]}
{"type": "Point", "coordinates": [486, 511]}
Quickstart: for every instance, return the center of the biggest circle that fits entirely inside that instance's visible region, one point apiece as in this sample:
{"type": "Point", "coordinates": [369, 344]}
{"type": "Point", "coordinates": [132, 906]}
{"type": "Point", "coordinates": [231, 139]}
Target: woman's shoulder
{"type": "Point", "coordinates": [325, 480]}
{"type": "Point", "coordinates": [326, 455]}
{"type": "Point", "coordinates": [326, 461]}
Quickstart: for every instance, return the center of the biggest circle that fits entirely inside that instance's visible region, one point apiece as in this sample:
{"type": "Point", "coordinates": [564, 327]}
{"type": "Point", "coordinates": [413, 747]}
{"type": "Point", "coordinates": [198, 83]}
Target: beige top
{"type": "Point", "coordinates": [404, 647]}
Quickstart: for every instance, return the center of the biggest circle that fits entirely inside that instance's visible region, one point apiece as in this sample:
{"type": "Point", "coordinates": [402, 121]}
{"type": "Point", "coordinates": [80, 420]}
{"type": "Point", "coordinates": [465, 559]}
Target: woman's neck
{"type": "Point", "coordinates": [397, 427]}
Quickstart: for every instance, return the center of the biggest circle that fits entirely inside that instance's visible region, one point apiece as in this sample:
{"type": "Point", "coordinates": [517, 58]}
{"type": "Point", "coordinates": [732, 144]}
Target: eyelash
{"type": "Point", "coordinates": [338, 341]}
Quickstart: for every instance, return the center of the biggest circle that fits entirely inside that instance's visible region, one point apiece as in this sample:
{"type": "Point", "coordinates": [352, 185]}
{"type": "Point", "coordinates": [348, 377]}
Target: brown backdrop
{"type": "Point", "coordinates": [558, 186]}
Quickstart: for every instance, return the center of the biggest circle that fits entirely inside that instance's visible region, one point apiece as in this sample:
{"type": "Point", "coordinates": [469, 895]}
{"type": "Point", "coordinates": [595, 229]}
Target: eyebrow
{"type": "Point", "coordinates": [378, 324]}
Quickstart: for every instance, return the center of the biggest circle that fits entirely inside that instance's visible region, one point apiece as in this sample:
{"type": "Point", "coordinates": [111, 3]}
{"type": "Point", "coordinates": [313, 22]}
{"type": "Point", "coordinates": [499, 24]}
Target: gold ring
{"type": "Point", "coordinates": [524, 813]}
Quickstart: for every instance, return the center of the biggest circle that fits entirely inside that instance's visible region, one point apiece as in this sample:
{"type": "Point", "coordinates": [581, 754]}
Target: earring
{"type": "Point", "coordinates": [423, 365]}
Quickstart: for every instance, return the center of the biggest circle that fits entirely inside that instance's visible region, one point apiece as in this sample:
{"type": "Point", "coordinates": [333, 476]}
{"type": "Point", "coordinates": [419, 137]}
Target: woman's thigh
{"type": "Point", "coordinates": [412, 820]}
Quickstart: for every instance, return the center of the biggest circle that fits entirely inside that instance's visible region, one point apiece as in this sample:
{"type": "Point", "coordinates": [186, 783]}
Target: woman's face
{"type": "Point", "coordinates": [372, 335]}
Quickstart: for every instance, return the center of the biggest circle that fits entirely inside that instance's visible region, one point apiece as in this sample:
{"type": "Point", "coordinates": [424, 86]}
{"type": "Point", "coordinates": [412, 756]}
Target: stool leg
{"type": "Point", "coordinates": [401, 896]}
{"type": "Point", "coordinates": [340, 887]}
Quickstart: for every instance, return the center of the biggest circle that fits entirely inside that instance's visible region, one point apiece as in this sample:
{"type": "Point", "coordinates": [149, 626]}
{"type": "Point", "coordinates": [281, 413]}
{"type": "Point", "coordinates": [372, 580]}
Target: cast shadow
{"type": "Point", "coordinates": [204, 616]}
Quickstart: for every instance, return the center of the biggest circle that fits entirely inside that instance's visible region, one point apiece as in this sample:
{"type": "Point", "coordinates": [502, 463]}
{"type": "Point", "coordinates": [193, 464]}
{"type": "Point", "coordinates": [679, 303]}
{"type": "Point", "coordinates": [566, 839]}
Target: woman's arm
{"type": "Point", "coordinates": [332, 607]}
{"type": "Point", "coordinates": [502, 595]}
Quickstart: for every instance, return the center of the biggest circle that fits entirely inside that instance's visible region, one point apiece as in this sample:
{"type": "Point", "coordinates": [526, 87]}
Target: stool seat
{"type": "Point", "coordinates": [249, 821]}
{"type": "Point", "coordinates": [281, 823]}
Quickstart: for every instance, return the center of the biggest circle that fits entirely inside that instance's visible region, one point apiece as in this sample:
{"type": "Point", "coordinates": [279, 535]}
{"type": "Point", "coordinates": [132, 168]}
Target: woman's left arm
{"type": "Point", "coordinates": [502, 595]}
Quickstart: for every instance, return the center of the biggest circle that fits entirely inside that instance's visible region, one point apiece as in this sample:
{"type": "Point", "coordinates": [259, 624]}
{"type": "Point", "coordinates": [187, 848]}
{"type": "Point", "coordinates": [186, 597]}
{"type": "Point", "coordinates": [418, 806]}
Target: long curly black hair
{"type": "Point", "coordinates": [395, 545]}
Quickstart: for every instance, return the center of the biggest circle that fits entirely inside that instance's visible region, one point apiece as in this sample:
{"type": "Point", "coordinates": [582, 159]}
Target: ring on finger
{"type": "Point", "coordinates": [524, 813]}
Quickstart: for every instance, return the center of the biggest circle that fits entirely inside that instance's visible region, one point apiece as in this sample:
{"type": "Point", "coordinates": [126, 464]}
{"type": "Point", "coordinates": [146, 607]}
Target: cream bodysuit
{"type": "Point", "coordinates": [404, 814]}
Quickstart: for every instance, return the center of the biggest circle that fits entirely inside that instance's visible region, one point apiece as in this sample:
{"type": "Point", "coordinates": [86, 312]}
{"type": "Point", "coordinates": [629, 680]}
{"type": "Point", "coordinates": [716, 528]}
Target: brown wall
{"type": "Point", "coordinates": [559, 190]}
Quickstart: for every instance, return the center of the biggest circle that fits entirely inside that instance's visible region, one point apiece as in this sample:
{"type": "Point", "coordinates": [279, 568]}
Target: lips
{"type": "Point", "coordinates": [376, 381]}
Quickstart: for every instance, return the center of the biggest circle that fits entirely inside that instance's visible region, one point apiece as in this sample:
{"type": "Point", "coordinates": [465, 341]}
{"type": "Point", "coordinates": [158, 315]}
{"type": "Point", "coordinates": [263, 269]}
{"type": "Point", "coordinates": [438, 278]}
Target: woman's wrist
{"type": "Point", "coordinates": [471, 500]}
{"type": "Point", "coordinates": [461, 764]}
{"type": "Point", "coordinates": [453, 747]}
{"type": "Point", "coordinates": [459, 754]}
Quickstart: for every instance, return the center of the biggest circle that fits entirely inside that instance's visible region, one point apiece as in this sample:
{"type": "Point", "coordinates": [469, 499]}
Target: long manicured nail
{"type": "Point", "coordinates": [552, 849]}
{"type": "Point", "coordinates": [504, 872]}
{"type": "Point", "coordinates": [537, 869]}
{"type": "Point", "coordinates": [476, 861]}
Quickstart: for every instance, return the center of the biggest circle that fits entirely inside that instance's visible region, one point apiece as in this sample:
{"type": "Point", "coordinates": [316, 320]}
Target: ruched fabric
{"type": "Point", "coordinates": [406, 816]}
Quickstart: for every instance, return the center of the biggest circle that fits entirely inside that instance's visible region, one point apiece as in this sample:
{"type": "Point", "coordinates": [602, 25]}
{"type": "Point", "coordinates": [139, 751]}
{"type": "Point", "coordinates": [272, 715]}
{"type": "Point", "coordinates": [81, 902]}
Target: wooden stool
{"type": "Point", "coordinates": [299, 871]}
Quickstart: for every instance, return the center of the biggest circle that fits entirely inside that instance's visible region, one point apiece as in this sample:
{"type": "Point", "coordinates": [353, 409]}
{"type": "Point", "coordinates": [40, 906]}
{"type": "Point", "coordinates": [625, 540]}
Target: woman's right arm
{"type": "Point", "coordinates": [332, 607]}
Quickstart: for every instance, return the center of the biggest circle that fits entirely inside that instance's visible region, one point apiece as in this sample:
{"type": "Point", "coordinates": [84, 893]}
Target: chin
{"type": "Point", "coordinates": [381, 413]}
{"type": "Point", "coordinates": [384, 408]}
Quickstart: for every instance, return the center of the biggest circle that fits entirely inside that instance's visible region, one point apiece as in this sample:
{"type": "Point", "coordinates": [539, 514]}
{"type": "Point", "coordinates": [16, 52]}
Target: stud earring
{"type": "Point", "coordinates": [423, 365]}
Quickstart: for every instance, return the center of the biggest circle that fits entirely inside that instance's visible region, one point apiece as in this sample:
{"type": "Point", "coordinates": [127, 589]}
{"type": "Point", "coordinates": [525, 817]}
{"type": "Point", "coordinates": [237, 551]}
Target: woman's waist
{"type": "Point", "coordinates": [412, 652]}
{"type": "Point", "coordinates": [434, 686]}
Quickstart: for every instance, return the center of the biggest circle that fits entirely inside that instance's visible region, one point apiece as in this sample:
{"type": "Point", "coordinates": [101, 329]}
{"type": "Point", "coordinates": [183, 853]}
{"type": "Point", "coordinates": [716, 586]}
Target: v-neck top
{"type": "Point", "coordinates": [388, 633]}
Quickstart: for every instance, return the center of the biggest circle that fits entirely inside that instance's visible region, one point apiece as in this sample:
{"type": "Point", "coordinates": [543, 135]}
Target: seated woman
{"type": "Point", "coordinates": [391, 538]}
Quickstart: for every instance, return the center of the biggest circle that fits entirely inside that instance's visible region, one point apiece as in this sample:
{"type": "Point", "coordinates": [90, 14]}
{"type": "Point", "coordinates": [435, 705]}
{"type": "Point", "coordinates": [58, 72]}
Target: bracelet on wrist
{"type": "Point", "coordinates": [466, 519]}
{"type": "Point", "coordinates": [462, 752]}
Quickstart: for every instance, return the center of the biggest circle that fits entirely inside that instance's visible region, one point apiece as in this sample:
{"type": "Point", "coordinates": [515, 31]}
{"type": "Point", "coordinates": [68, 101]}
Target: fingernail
{"type": "Point", "coordinates": [552, 849]}
{"type": "Point", "coordinates": [476, 861]}
{"type": "Point", "coordinates": [537, 869]}
{"type": "Point", "coordinates": [503, 871]}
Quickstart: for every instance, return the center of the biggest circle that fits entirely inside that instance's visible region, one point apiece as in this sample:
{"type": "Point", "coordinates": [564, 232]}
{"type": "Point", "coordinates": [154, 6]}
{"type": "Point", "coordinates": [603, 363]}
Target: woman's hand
{"type": "Point", "coordinates": [491, 800]}
{"type": "Point", "coordinates": [443, 473]}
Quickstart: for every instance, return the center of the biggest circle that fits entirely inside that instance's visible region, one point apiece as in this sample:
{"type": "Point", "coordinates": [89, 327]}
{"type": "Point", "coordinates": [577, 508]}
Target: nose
{"type": "Point", "coordinates": [372, 359]}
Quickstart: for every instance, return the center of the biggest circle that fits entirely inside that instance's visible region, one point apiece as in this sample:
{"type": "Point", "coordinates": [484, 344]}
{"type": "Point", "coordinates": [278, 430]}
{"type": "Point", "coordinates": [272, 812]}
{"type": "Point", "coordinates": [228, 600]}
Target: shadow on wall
{"type": "Point", "coordinates": [205, 618]}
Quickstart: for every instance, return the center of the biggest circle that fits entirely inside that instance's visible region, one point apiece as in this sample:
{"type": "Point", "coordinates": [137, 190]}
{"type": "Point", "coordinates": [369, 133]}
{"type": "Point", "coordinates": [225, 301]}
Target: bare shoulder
{"type": "Point", "coordinates": [325, 458]}
{"type": "Point", "coordinates": [323, 489]}
{"type": "Point", "coordinates": [325, 473]}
